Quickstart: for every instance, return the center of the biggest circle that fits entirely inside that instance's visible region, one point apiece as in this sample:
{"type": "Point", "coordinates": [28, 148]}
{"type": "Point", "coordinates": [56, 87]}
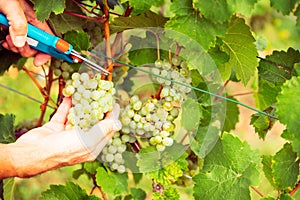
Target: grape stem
{"type": "Point", "coordinates": [107, 41]}
{"type": "Point", "coordinates": [257, 191]}
{"type": "Point", "coordinates": [295, 189]}
{"type": "Point", "coordinates": [97, 186]}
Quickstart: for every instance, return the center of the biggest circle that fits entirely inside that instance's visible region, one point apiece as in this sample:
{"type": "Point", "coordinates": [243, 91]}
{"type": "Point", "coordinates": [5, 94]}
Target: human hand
{"type": "Point", "coordinates": [18, 14]}
{"type": "Point", "coordinates": [51, 146]}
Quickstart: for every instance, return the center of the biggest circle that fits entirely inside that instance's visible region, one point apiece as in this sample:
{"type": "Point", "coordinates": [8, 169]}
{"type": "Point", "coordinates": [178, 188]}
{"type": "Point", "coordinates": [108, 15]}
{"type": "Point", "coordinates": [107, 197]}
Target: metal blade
{"type": "Point", "coordinates": [89, 63]}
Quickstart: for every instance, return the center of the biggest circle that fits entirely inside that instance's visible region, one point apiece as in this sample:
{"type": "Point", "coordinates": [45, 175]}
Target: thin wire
{"type": "Point", "coordinates": [189, 86]}
{"type": "Point", "coordinates": [24, 95]}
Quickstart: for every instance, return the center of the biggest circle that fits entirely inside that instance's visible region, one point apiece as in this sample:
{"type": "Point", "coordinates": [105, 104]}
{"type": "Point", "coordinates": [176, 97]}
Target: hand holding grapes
{"type": "Point", "coordinates": [51, 146]}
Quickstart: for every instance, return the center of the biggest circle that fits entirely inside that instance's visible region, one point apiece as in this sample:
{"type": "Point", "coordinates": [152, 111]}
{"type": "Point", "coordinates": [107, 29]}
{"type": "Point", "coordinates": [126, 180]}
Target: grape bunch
{"type": "Point", "coordinates": [177, 71]}
{"type": "Point", "coordinates": [152, 120]}
{"type": "Point", "coordinates": [91, 99]}
{"type": "Point", "coordinates": [61, 68]}
{"type": "Point", "coordinates": [112, 153]}
{"type": "Point", "coordinates": [94, 30]}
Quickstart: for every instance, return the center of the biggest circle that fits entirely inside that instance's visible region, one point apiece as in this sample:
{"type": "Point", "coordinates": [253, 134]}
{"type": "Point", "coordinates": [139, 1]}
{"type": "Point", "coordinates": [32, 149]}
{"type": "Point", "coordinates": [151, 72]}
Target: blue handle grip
{"type": "Point", "coordinates": [43, 41]}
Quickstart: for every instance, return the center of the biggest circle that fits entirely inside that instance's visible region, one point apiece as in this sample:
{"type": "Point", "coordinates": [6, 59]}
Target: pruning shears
{"type": "Point", "coordinates": [54, 46]}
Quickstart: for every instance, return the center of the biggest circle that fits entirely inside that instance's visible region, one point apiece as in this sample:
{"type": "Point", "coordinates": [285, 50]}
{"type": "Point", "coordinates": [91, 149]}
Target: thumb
{"type": "Point", "coordinates": [17, 21]}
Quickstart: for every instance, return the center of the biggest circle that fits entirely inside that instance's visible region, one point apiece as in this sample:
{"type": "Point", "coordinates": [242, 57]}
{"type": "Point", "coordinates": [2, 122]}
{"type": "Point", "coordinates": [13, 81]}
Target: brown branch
{"type": "Point", "coordinates": [98, 187]}
{"type": "Point", "coordinates": [157, 95]}
{"type": "Point", "coordinates": [107, 42]}
{"type": "Point", "coordinates": [257, 191]}
{"type": "Point", "coordinates": [221, 90]}
{"type": "Point", "coordinates": [295, 189]}
{"type": "Point", "coordinates": [240, 94]}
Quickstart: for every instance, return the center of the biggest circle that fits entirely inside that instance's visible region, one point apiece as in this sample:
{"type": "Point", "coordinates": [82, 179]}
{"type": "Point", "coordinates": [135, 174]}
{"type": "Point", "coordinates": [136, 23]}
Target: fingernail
{"type": "Point", "coordinates": [117, 125]}
{"type": "Point", "coordinates": [19, 41]}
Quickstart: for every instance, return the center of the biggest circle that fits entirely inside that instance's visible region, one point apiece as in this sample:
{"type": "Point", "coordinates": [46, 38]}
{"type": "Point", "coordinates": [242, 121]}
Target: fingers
{"type": "Point", "coordinates": [17, 21]}
{"type": "Point", "coordinates": [61, 114]}
{"type": "Point", "coordinates": [114, 114]}
{"type": "Point", "coordinates": [41, 58]}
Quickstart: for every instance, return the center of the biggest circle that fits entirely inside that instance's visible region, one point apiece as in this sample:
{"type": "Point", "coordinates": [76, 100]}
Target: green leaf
{"type": "Point", "coordinates": [138, 194]}
{"type": "Point", "coordinates": [149, 159]}
{"type": "Point", "coordinates": [295, 141]}
{"type": "Point", "coordinates": [7, 59]}
{"type": "Point", "coordinates": [8, 187]}
{"type": "Point", "coordinates": [232, 116]}
{"type": "Point", "coordinates": [215, 10]}
{"type": "Point", "coordinates": [45, 8]}
{"type": "Point", "coordinates": [110, 182]}
{"type": "Point", "coordinates": [230, 164]}
{"type": "Point", "coordinates": [77, 173]}
{"type": "Point", "coordinates": [285, 168]}
{"type": "Point", "coordinates": [91, 167]}
{"type": "Point", "coordinates": [79, 39]}
{"type": "Point", "coordinates": [284, 6]}
{"type": "Point", "coordinates": [297, 14]}
{"type": "Point", "coordinates": [198, 29]}
{"type": "Point", "coordinates": [288, 98]}
{"type": "Point", "coordinates": [145, 20]}
{"type": "Point", "coordinates": [63, 23]}
{"type": "Point", "coordinates": [238, 43]}
{"type": "Point", "coordinates": [142, 6]}
{"type": "Point", "coordinates": [267, 168]}
{"type": "Point", "coordinates": [70, 191]}
{"type": "Point", "coordinates": [266, 95]}
{"type": "Point", "coordinates": [279, 66]}
{"type": "Point", "coordinates": [285, 197]}
{"type": "Point", "coordinates": [181, 8]}
{"type": "Point", "coordinates": [170, 173]}
{"type": "Point", "coordinates": [190, 115]}
{"type": "Point", "coordinates": [7, 134]}
{"type": "Point", "coordinates": [262, 123]}
{"type": "Point", "coordinates": [169, 194]}
{"type": "Point", "coordinates": [222, 10]}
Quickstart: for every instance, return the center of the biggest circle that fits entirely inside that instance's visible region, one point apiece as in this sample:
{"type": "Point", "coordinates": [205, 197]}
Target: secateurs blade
{"type": "Point", "coordinates": [54, 46]}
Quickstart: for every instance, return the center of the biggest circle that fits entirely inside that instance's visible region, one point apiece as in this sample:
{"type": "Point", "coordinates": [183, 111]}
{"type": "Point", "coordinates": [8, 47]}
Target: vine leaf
{"type": "Point", "coordinates": [284, 6]}
{"type": "Point", "coordinates": [279, 67]}
{"type": "Point", "coordinates": [267, 168]}
{"type": "Point", "coordinates": [63, 23]}
{"type": "Point", "coordinates": [262, 123]}
{"type": "Point", "coordinates": [288, 98]}
{"type": "Point", "coordinates": [191, 114]}
{"type": "Point", "coordinates": [222, 10]}
{"type": "Point", "coordinates": [111, 183]}
{"type": "Point", "coordinates": [181, 8]}
{"type": "Point", "coordinates": [7, 134]}
{"type": "Point", "coordinates": [45, 8]}
{"type": "Point", "coordinates": [232, 116]}
{"type": "Point", "coordinates": [215, 10]}
{"type": "Point", "coordinates": [169, 173]}
{"type": "Point", "coordinates": [79, 39]}
{"type": "Point", "coordinates": [295, 141]}
{"type": "Point", "coordinates": [142, 6]}
{"type": "Point", "coordinates": [7, 59]}
{"type": "Point", "coordinates": [70, 191]}
{"type": "Point", "coordinates": [145, 20]}
{"type": "Point", "coordinates": [137, 193]}
{"type": "Point", "coordinates": [199, 29]}
{"type": "Point", "coordinates": [285, 168]}
{"type": "Point", "coordinates": [230, 164]}
{"type": "Point", "coordinates": [238, 43]}
{"type": "Point", "coordinates": [170, 194]}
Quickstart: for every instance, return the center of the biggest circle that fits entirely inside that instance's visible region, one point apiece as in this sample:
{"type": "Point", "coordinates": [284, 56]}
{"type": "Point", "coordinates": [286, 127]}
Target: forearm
{"type": "Point", "coordinates": [7, 168]}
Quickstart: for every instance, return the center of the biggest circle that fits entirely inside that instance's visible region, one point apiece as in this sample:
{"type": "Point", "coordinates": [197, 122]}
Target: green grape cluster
{"type": "Point", "coordinates": [62, 68]}
{"type": "Point", "coordinates": [25, 125]}
{"type": "Point", "coordinates": [112, 153]}
{"type": "Point", "coordinates": [177, 71]}
{"type": "Point", "coordinates": [91, 99]}
{"type": "Point", "coordinates": [151, 120]}
{"type": "Point", "coordinates": [94, 30]}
